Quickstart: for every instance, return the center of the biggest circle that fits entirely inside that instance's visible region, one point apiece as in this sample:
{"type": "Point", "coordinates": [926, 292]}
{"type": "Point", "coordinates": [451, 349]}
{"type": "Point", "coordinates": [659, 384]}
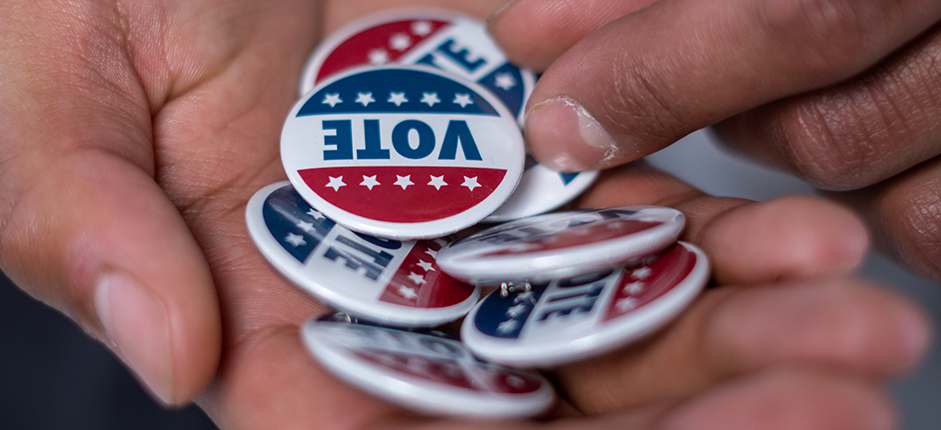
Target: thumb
{"type": "Point", "coordinates": [83, 225]}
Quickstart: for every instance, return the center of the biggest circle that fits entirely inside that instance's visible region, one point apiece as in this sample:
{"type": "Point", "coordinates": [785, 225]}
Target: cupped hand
{"type": "Point", "coordinates": [843, 93]}
{"type": "Point", "coordinates": [134, 133]}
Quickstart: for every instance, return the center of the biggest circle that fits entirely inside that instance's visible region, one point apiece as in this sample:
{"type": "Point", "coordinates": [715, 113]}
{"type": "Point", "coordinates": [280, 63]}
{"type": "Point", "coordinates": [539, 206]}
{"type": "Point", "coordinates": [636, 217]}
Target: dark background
{"type": "Point", "coordinates": [52, 376]}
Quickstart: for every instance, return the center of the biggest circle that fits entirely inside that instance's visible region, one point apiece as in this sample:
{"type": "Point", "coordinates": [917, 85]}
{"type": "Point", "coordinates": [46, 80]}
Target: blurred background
{"type": "Point", "coordinates": [52, 376]}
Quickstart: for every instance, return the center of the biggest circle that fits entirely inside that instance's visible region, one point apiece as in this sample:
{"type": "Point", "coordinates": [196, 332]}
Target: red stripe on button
{"type": "Point", "coordinates": [419, 202]}
{"type": "Point", "coordinates": [355, 50]}
{"type": "Point", "coordinates": [438, 289]}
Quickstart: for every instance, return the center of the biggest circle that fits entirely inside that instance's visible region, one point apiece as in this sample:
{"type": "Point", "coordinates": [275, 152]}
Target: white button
{"type": "Point", "coordinates": [574, 318]}
{"type": "Point", "coordinates": [424, 371]}
{"type": "Point", "coordinates": [383, 280]}
{"type": "Point", "coordinates": [561, 244]}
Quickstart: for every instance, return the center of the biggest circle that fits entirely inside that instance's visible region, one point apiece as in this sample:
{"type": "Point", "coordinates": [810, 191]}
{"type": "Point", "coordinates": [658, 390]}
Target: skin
{"type": "Point", "coordinates": [136, 131]}
{"type": "Point", "coordinates": [842, 93]}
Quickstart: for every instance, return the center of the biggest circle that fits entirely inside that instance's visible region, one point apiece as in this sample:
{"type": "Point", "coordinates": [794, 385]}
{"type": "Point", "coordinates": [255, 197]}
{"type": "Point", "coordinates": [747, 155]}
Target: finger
{"type": "Point", "coordinates": [841, 326]}
{"type": "Point", "coordinates": [536, 32]}
{"type": "Point", "coordinates": [83, 225]}
{"type": "Point", "coordinates": [746, 242]}
{"type": "Point", "coordinates": [855, 134]}
{"type": "Point", "coordinates": [786, 399]}
{"type": "Point", "coordinates": [905, 215]}
{"type": "Point", "coordinates": [643, 81]}
{"type": "Point", "coordinates": [337, 13]}
{"type": "Point", "coordinates": [273, 383]}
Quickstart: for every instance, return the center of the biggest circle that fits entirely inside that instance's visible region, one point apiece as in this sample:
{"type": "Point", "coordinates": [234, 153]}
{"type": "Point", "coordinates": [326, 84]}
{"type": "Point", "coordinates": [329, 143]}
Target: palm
{"type": "Point", "coordinates": [202, 94]}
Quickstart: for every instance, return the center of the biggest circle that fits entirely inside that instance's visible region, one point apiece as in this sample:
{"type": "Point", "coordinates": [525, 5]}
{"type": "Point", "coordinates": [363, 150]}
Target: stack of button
{"type": "Point", "coordinates": [408, 132]}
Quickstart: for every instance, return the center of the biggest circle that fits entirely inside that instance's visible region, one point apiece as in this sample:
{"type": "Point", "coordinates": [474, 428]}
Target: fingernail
{"type": "Point", "coordinates": [137, 323]}
{"type": "Point", "coordinates": [564, 136]}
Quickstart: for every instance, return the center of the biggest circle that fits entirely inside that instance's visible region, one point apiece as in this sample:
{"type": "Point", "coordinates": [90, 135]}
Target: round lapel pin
{"type": "Point", "coordinates": [424, 371]}
{"type": "Point", "coordinates": [402, 152]}
{"type": "Point", "coordinates": [461, 46]}
{"type": "Point", "coordinates": [574, 318]}
{"type": "Point", "coordinates": [382, 280]}
{"type": "Point", "coordinates": [541, 190]}
{"type": "Point", "coordinates": [450, 41]}
{"type": "Point", "coordinates": [561, 244]}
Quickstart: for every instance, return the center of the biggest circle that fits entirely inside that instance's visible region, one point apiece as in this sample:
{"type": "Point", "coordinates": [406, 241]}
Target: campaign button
{"type": "Point", "coordinates": [447, 40]}
{"type": "Point", "coordinates": [382, 280]}
{"type": "Point", "coordinates": [540, 190]}
{"type": "Point", "coordinates": [574, 318]}
{"type": "Point", "coordinates": [424, 371]}
{"type": "Point", "coordinates": [403, 152]}
{"type": "Point", "coordinates": [561, 244]}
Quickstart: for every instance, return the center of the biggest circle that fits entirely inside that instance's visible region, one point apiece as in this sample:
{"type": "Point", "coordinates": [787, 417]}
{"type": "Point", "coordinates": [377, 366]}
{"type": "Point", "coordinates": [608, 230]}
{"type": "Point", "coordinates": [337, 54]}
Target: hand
{"type": "Point", "coordinates": [842, 93]}
{"type": "Point", "coordinates": [135, 132]}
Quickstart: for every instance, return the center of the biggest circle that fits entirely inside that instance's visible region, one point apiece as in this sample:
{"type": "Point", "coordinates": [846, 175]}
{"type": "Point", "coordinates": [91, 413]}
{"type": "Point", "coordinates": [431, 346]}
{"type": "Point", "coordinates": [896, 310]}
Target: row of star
{"type": "Point", "coordinates": [380, 56]}
{"type": "Point", "coordinates": [400, 41]}
{"type": "Point", "coordinates": [409, 293]}
{"type": "Point", "coordinates": [430, 99]}
{"type": "Point", "coordinates": [402, 181]}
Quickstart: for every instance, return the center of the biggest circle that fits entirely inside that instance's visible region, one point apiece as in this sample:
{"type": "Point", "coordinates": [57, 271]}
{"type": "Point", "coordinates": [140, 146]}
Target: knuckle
{"type": "Point", "coordinates": [822, 148]}
{"type": "Point", "coordinates": [918, 232]}
{"type": "Point", "coordinates": [639, 105]}
{"type": "Point", "coordinates": [863, 132]}
{"type": "Point", "coordinates": [827, 32]}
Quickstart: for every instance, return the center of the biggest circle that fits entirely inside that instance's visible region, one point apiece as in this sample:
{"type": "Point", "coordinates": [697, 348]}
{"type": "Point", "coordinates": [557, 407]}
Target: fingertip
{"type": "Point", "coordinates": [517, 24]}
{"type": "Point", "coordinates": [792, 236]}
{"type": "Point", "coordinates": [561, 134]}
{"type": "Point", "coordinates": [534, 33]}
{"type": "Point", "coordinates": [139, 281]}
{"type": "Point", "coordinates": [840, 324]}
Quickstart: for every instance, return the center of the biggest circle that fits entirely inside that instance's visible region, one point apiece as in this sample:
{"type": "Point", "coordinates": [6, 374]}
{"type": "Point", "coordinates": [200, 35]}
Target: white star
{"type": "Point", "coordinates": [421, 28]}
{"type": "Point", "coordinates": [437, 181]}
{"type": "Point", "coordinates": [516, 311]}
{"type": "Point", "coordinates": [641, 273]}
{"type": "Point", "coordinates": [470, 183]}
{"type": "Point", "coordinates": [416, 278]}
{"type": "Point", "coordinates": [295, 239]}
{"type": "Point", "coordinates": [407, 292]}
{"type": "Point", "coordinates": [615, 225]}
{"type": "Point", "coordinates": [634, 288]}
{"type": "Point", "coordinates": [400, 41]}
{"type": "Point", "coordinates": [315, 214]}
{"type": "Point", "coordinates": [332, 99]}
{"type": "Point", "coordinates": [462, 99]}
{"type": "Point", "coordinates": [364, 98]}
{"type": "Point", "coordinates": [336, 183]}
{"type": "Point", "coordinates": [425, 265]}
{"type": "Point", "coordinates": [508, 326]}
{"type": "Point", "coordinates": [369, 182]}
{"type": "Point", "coordinates": [430, 98]}
{"type": "Point", "coordinates": [404, 181]}
{"type": "Point", "coordinates": [378, 57]}
{"type": "Point", "coordinates": [304, 225]}
{"type": "Point", "coordinates": [505, 81]}
{"type": "Point", "coordinates": [433, 254]}
{"type": "Point", "coordinates": [627, 303]}
{"type": "Point", "coordinates": [397, 98]}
